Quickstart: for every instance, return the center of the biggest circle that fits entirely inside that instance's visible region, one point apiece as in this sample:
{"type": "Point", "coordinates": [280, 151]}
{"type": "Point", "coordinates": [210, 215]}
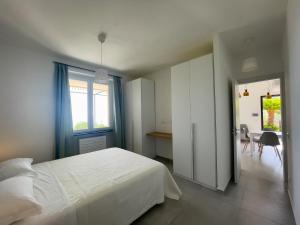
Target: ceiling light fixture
{"type": "Point", "coordinates": [101, 73]}
{"type": "Point", "coordinates": [101, 38]}
{"type": "Point", "coordinates": [246, 93]}
{"type": "Point", "coordinates": [250, 64]}
{"type": "Point", "coordinates": [269, 96]}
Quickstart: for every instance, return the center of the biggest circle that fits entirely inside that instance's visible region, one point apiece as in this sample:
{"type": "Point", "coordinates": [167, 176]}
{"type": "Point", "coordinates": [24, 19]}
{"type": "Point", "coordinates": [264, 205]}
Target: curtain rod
{"type": "Point", "coordinates": [77, 67]}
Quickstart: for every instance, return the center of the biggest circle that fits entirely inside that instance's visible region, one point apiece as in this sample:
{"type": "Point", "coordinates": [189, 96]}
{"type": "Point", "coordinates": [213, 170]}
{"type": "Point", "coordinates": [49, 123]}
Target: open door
{"type": "Point", "coordinates": [236, 132]}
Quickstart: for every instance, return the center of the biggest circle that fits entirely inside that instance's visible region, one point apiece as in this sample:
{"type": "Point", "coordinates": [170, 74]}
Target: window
{"type": "Point", "coordinates": [79, 104]}
{"type": "Point", "coordinates": [271, 112]}
{"type": "Point", "coordinates": [90, 103]}
{"type": "Point", "coordinates": [100, 105]}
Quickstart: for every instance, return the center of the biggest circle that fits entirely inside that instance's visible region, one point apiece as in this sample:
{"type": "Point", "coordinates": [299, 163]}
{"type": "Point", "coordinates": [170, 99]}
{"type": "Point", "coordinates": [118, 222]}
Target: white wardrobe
{"type": "Point", "coordinates": [140, 116]}
{"type": "Point", "coordinates": [193, 121]}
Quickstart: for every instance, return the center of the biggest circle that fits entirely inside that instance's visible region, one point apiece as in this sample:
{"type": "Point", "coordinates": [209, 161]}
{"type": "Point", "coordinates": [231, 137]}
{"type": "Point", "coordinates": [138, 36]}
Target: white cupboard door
{"type": "Point", "coordinates": [136, 117]}
{"type": "Point", "coordinates": [181, 121]}
{"type": "Point", "coordinates": [203, 120]}
{"type": "Point", "coordinates": [128, 114]}
{"type": "Point", "coordinates": [148, 117]}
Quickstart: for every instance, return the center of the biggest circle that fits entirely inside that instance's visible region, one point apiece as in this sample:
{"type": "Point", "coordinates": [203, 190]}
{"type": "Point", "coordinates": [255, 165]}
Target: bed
{"type": "Point", "coordinates": [109, 187]}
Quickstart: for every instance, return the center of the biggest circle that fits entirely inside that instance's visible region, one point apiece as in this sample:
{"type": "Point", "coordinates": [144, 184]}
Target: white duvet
{"type": "Point", "coordinates": [109, 187]}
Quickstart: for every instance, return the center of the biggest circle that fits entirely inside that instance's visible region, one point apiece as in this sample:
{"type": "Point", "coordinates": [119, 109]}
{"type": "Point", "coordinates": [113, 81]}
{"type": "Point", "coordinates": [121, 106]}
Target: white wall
{"type": "Point", "coordinates": [223, 92]}
{"type": "Point", "coordinates": [251, 104]}
{"type": "Point", "coordinates": [27, 104]}
{"type": "Point", "coordinates": [162, 79]}
{"type": "Point", "coordinates": [27, 109]}
{"type": "Point", "coordinates": [293, 56]}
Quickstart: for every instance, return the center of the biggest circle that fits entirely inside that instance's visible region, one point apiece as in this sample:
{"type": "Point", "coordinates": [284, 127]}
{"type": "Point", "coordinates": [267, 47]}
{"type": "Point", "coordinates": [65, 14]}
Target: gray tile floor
{"type": "Point", "coordinates": [259, 199]}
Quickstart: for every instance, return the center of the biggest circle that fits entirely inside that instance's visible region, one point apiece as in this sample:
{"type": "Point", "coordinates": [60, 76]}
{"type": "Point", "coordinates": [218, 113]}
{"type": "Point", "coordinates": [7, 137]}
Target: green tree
{"type": "Point", "coordinates": [81, 125]}
{"type": "Point", "coordinates": [99, 125]}
{"type": "Point", "coordinates": [271, 106]}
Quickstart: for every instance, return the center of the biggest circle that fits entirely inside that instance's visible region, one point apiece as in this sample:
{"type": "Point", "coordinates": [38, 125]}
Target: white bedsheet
{"type": "Point", "coordinates": [109, 187]}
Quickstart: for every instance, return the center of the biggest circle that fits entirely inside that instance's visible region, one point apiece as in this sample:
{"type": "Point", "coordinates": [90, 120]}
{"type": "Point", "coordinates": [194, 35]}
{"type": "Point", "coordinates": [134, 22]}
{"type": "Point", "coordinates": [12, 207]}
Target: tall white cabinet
{"type": "Point", "coordinates": [193, 121]}
{"type": "Point", "coordinates": [140, 116]}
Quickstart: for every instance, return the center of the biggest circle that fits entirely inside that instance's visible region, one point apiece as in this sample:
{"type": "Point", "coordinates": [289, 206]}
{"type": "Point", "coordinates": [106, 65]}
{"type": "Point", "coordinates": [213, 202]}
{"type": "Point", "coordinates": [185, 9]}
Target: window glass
{"type": "Point", "coordinates": [79, 104]}
{"type": "Point", "coordinates": [271, 113]}
{"type": "Point", "coordinates": [100, 105]}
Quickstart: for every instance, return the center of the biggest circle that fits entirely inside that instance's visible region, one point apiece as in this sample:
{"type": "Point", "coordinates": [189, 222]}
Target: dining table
{"type": "Point", "coordinates": [253, 134]}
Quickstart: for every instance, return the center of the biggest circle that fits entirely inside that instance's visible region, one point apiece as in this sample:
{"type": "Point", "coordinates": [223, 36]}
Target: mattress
{"type": "Point", "coordinates": [109, 187]}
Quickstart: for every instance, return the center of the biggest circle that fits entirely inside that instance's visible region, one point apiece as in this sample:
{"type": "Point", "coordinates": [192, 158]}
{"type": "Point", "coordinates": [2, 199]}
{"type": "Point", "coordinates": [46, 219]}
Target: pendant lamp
{"type": "Point", "coordinates": [269, 96]}
{"type": "Point", "coordinates": [246, 93]}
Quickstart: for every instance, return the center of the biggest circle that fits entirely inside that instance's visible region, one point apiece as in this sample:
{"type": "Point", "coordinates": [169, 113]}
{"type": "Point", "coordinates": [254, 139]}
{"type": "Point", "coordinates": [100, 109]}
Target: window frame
{"type": "Point", "coordinates": [90, 79]}
{"type": "Point", "coordinates": [262, 110]}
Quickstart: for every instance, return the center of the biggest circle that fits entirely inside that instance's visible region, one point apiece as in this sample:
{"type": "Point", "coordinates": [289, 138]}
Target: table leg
{"type": "Point", "coordinates": [252, 145]}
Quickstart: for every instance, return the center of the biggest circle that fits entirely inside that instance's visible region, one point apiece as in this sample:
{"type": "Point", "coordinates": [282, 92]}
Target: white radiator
{"type": "Point", "coordinates": [92, 144]}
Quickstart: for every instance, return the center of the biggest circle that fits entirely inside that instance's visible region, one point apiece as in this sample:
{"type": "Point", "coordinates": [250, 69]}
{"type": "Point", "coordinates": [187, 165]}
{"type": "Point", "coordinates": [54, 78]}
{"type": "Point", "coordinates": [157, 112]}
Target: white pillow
{"type": "Point", "coordinates": [17, 200]}
{"type": "Point", "coordinates": [15, 167]}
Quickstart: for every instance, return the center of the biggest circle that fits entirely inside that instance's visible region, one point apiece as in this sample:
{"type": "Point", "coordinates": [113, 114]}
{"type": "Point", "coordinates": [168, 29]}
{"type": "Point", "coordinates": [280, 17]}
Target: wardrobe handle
{"type": "Point", "coordinates": [193, 148]}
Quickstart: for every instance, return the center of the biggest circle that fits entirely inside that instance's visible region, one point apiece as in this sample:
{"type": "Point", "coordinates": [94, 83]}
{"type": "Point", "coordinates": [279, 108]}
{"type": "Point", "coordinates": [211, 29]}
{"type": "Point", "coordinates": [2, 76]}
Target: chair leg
{"type": "Point", "coordinates": [245, 147]}
{"type": "Point", "coordinates": [260, 150]}
{"type": "Point", "coordinates": [259, 146]}
{"type": "Point", "coordinates": [276, 149]}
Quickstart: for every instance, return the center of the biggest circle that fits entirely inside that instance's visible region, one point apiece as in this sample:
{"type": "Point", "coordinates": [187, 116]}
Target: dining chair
{"type": "Point", "coordinates": [257, 141]}
{"type": "Point", "coordinates": [269, 139]}
{"type": "Point", "coordinates": [244, 136]}
{"type": "Point", "coordinates": [268, 129]}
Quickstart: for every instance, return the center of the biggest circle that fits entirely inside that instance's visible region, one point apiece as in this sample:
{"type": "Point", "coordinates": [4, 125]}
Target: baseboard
{"type": "Point", "coordinates": [292, 204]}
{"type": "Point", "coordinates": [225, 187]}
{"type": "Point", "coordinates": [164, 158]}
{"type": "Point", "coordinates": [196, 182]}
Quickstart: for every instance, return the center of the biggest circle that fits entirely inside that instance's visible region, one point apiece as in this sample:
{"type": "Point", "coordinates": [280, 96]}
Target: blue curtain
{"type": "Point", "coordinates": [118, 106]}
{"type": "Point", "coordinates": [63, 114]}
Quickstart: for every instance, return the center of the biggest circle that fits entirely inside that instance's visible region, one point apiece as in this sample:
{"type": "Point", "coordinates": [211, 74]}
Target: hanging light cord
{"type": "Point", "coordinates": [101, 52]}
{"type": "Point", "coordinates": [101, 39]}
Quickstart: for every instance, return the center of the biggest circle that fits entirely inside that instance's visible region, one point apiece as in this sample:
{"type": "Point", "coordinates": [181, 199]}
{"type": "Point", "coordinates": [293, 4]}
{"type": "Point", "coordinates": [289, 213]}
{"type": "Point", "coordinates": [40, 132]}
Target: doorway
{"type": "Point", "coordinates": [261, 112]}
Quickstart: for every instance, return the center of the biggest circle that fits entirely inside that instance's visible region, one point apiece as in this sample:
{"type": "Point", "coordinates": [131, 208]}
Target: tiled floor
{"type": "Point", "coordinates": [259, 199]}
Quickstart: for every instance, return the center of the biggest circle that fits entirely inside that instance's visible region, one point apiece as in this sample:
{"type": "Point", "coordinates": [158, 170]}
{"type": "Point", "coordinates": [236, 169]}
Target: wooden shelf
{"type": "Point", "coordinates": [162, 135]}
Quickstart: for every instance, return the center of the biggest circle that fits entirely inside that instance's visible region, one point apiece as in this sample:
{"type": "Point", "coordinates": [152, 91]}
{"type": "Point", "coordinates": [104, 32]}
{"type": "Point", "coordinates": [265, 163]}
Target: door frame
{"type": "Point", "coordinates": [236, 133]}
{"type": "Point", "coordinates": [281, 77]}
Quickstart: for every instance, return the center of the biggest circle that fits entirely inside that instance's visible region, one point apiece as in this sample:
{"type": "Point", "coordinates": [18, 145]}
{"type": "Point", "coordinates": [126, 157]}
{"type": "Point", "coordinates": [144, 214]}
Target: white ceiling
{"type": "Point", "coordinates": [268, 85]}
{"type": "Point", "coordinates": [262, 35]}
{"type": "Point", "coordinates": [143, 35]}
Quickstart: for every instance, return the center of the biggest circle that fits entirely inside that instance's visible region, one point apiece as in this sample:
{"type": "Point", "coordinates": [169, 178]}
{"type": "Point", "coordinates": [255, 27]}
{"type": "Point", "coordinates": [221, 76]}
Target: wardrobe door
{"type": "Point", "coordinates": [203, 120]}
{"type": "Point", "coordinates": [148, 117]}
{"type": "Point", "coordinates": [128, 114]}
{"type": "Point", "coordinates": [137, 116]}
{"type": "Point", "coordinates": [181, 121]}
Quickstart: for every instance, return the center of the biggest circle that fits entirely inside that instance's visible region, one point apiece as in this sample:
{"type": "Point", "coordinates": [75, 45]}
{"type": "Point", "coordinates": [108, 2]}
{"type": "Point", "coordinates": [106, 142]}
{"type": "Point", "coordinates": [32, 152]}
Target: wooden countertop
{"type": "Point", "coordinates": [162, 135]}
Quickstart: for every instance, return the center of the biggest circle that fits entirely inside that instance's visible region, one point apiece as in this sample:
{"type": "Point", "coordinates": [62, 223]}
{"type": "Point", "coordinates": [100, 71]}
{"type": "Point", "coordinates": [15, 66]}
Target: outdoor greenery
{"type": "Point", "coordinates": [84, 125]}
{"type": "Point", "coordinates": [273, 109]}
{"type": "Point", "coordinates": [99, 125]}
{"type": "Point", "coordinates": [80, 126]}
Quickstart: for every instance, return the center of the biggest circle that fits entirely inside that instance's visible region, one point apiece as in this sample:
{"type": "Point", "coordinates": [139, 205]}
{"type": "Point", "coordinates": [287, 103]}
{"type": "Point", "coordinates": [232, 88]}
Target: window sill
{"type": "Point", "coordinates": [93, 132]}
